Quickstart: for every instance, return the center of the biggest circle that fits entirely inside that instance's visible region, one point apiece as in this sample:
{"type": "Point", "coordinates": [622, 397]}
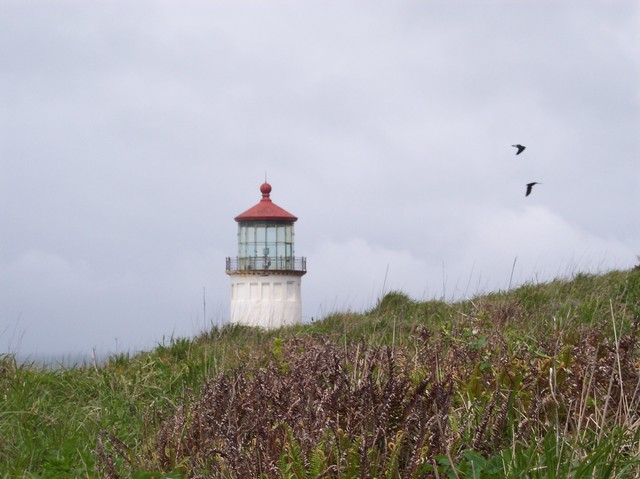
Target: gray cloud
{"type": "Point", "coordinates": [132, 134]}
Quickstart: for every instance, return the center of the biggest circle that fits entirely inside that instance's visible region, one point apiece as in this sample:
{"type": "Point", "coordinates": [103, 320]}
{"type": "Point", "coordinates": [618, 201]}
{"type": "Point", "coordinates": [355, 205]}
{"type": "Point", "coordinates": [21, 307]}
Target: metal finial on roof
{"type": "Point", "coordinates": [265, 189]}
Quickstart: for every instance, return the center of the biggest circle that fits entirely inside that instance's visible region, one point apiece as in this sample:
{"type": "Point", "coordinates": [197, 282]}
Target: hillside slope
{"type": "Point", "coordinates": [539, 380]}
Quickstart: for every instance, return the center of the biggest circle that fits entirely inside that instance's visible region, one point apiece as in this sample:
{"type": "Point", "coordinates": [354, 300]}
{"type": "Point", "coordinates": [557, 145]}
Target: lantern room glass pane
{"type": "Point", "coordinates": [271, 234]}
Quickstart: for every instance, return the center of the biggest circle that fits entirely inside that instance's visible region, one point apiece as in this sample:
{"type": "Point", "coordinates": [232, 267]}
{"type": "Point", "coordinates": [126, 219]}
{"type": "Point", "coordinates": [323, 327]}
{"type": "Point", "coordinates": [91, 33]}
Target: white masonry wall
{"type": "Point", "coordinates": [268, 301]}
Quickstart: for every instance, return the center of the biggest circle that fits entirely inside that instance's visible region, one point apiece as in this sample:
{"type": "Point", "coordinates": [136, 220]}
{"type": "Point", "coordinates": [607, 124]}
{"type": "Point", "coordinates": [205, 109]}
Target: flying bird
{"type": "Point", "coordinates": [520, 148]}
{"type": "Point", "coordinates": [530, 186]}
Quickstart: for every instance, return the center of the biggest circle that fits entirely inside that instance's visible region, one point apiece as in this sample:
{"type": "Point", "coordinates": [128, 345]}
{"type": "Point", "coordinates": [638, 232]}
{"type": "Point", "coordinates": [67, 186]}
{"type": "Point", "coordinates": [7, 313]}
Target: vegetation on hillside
{"type": "Point", "coordinates": [540, 381]}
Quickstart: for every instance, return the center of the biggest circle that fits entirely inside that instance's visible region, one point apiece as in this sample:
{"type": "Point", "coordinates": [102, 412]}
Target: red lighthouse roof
{"type": "Point", "coordinates": [266, 210]}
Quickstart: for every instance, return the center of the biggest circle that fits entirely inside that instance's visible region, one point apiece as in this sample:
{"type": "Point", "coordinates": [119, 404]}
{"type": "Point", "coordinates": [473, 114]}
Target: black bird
{"type": "Point", "coordinates": [520, 148]}
{"type": "Point", "coordinates": [530, 186]}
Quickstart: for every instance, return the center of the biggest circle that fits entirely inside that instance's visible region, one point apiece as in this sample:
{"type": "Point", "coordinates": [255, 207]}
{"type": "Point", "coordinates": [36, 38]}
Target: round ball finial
{"type": "Point", "coordinates": [265, 189]}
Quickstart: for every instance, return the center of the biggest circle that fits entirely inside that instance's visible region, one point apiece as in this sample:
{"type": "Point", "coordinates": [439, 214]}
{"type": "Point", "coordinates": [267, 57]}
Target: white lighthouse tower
{"type": "Point", "coordinates": [266, 276]}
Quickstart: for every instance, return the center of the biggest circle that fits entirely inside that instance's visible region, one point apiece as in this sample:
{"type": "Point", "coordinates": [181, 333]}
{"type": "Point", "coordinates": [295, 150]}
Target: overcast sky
{"type": "Point", "coordinates": [132, 133]}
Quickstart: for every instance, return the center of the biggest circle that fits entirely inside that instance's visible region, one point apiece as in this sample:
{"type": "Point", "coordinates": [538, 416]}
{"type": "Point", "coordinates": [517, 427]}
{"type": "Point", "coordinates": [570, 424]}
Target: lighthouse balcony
{"type": "Point", "coordinates": [267, 264]}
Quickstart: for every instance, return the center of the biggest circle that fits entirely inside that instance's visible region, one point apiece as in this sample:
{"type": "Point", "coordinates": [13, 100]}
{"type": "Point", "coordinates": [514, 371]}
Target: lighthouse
{"type": "Point", "coordinates": [266, 275]}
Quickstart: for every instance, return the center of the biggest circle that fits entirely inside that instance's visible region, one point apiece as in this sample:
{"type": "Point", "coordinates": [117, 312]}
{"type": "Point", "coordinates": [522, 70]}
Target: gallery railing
{"type": "Point", "coordinates": [267, 263]}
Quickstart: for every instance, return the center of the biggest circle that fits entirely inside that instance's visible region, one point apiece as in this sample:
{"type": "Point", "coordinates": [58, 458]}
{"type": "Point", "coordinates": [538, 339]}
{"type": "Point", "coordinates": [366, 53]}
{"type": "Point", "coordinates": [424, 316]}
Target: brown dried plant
{"type": "Point", "coordinates": [352, 410]}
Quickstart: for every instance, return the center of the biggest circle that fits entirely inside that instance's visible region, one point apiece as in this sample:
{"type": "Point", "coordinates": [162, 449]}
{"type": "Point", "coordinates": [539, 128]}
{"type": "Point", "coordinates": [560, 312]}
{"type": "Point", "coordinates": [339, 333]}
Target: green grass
{"type": "Point", "coordinates": [540, 381]}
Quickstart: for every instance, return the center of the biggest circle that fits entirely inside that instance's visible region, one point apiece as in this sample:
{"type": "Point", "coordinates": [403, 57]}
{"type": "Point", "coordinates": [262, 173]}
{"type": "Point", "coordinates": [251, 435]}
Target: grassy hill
{"type": "Point", "coordinates": [540, 381]}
